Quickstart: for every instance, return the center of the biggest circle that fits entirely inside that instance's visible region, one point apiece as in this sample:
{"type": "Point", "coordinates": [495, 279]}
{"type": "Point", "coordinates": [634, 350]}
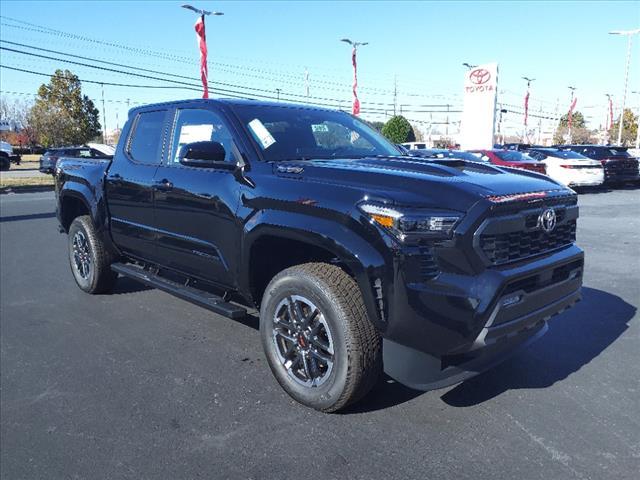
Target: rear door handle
{"type": "Point", "coordinates": [163, 185]}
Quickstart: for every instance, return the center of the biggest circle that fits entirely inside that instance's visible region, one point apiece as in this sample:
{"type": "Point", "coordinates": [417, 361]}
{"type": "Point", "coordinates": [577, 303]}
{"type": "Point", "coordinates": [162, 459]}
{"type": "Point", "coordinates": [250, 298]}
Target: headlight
{"type": "Point", "coordinates": [406, 224]}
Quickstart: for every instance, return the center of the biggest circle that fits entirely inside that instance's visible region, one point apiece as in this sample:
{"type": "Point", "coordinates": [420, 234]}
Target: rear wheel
{"type": "Point", "coordinates": [89, 258]}
{"type": "Point", "coordinates": [319, 343]}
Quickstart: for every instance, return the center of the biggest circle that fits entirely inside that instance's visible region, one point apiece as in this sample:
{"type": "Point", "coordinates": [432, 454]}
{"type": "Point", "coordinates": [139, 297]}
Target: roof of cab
{"type": "Point", "coordinates": [227, 101]}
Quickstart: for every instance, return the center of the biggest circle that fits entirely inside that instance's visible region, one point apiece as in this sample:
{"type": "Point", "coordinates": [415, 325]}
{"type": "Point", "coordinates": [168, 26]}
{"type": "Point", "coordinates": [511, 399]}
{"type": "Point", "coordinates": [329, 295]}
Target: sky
{"type": "Point", "coordinates": [415, 49]}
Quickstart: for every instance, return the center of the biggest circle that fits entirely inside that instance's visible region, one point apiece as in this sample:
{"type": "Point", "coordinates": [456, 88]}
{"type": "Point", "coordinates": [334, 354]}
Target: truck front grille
{"type": "Point", "coordinates": [513, 246]}
{"type": "Point", "coordinates": [512, 232]}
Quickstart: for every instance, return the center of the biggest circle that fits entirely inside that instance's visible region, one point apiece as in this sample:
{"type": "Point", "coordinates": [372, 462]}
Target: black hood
{"type": "Point", "coordinates": [422, 182]}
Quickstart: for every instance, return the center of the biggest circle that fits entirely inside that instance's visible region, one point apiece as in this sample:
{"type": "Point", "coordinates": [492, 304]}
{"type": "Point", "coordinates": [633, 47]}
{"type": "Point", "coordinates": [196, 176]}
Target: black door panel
{"type": "Point", "coordinates": [195, 207]}
{"type": "Point", "coordinates": [129, 187]}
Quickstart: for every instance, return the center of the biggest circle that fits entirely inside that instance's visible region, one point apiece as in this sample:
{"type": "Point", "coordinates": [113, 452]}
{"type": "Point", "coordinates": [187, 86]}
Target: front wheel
{"type": "Point", "coordinates": [319, 343]}
{"type": "Point", "coordinates": [89, 258]}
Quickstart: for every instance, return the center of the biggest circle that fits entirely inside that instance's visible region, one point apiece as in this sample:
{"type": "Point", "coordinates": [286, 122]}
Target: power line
{"type": "Point", "coordinates": [228, 92]}
{"type": "Point", "coordinates": [131, 85]}
{"type": "Point", "coordinates": [184, 59]}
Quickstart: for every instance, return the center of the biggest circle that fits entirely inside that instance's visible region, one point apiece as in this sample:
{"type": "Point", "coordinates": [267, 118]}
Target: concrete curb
{"type": "Point", "coordinates": [26, 189]}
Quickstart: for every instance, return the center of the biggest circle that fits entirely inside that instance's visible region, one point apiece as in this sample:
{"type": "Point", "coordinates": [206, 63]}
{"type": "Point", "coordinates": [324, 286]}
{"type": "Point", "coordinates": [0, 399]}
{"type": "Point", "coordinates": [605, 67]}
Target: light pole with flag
{"type": "Point", "coordinates": [202, 44]}
{"type": "Point", "coordinates": [526, 106]}
{"type": "Point", "coordinates": [355, 45]}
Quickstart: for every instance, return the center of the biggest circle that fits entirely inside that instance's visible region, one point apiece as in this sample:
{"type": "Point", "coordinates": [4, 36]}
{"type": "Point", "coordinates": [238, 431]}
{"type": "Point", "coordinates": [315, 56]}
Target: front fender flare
{"type": "Point", "coordinates": [358, 254]}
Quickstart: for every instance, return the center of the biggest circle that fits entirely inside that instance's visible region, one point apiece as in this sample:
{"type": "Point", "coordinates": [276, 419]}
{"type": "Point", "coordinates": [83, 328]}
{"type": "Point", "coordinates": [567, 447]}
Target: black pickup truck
{"type": "Point", "coordinates": [358, 259]}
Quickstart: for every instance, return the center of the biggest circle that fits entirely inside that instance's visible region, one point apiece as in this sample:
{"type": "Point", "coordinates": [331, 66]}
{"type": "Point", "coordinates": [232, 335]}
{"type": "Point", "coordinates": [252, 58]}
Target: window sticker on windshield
{"type": "Point", "coordinates": [320, 128]}
{"type": "Point", "coordinates": [195, 133]}
{"type": "Point", "coordinates": [261, 133]}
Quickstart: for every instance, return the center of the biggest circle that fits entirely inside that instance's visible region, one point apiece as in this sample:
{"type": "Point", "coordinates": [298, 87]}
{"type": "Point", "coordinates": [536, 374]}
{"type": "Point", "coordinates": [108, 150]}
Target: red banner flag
{"type": "Point", "coordinates": [571, 108]}
{"type": "Point", "coordinates": [356, 102]}
{"type": "Point", "coordinates": [526, 108]}
{"type": "Point", "coordinates": [610, 114]}
{"type": "Point", "coordinates": [202, 43]}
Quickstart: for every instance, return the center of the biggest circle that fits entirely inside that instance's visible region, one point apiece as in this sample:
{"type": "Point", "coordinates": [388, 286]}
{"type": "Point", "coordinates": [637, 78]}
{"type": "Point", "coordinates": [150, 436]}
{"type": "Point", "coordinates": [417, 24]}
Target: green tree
{"type": "Point", "coordinates": [398, 130]}
{"type": "Point", "coordinates": [62, 115]}
{"type": "Point", "coordinates": [629, 128]}
{"type": "Point", "coordinates": [579, 131]}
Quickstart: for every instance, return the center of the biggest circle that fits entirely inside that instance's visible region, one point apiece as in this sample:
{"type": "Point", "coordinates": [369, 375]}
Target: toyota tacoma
{"type": "Point", "coordinates": [358, 259]}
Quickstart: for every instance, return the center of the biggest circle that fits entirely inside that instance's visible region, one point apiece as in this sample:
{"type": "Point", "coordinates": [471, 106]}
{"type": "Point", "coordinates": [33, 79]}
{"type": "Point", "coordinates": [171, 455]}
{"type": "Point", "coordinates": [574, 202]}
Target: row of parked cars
{"type": "Point", "coordinates": [571, 165]}
{"type": "Point", "coordinates": [49, 160]}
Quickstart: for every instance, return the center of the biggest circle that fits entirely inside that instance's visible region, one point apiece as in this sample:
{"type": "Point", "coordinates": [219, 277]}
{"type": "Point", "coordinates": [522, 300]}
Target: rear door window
{"type": "Point", "coordinates": [145, 142]}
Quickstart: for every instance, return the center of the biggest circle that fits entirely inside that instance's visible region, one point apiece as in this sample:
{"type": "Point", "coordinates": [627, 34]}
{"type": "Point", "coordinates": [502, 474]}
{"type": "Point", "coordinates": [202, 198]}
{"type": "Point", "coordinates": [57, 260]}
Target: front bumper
{"type": "Point", "coordinates": [457, 326]}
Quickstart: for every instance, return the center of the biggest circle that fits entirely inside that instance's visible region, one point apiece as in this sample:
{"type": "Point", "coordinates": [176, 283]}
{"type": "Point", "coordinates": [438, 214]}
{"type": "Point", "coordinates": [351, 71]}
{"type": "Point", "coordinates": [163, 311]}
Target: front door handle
{"type": "Point", "coordinates": [163, 185]}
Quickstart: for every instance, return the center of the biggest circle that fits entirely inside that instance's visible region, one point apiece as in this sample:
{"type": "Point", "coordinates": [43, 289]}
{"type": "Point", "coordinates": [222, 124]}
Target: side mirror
{"type": "Point", "coordinates": [205, 155]}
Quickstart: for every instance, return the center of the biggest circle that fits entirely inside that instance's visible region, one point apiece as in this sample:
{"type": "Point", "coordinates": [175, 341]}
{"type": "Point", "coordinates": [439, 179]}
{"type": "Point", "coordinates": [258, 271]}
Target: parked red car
{"type": "Point", "coordinates": [511, 158]}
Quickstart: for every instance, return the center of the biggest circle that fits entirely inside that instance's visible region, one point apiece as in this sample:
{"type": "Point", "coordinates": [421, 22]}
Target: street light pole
{"type": "Point", "coordinates": [355, 45]}
{"type": "Point", "coordinates": [469, 66]}
{"type": "Point", "coordinates": [202, 42]}
{"type": "Point", "coordinates": [526, 106]}
{"type": "Point", "coordinates": [629, 34]}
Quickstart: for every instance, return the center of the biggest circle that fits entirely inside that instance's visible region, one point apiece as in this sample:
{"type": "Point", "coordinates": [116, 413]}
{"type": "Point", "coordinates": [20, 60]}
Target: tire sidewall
{"type": "Point", "coordinates": [322, 397]}
{"type": "Point", "coordinates": [85, 284]}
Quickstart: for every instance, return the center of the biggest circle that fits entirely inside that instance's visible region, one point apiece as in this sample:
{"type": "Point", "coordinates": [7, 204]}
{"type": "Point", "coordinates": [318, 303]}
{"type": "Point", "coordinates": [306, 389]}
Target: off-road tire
{"type": "Point", "coordinates": [357, 359]}
{"type": "Point", "coordinates": [100, 278]}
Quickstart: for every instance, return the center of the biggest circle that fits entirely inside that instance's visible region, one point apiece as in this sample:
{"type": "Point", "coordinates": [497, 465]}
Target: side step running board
{"type": "Point", "coordinates": [199, 297]}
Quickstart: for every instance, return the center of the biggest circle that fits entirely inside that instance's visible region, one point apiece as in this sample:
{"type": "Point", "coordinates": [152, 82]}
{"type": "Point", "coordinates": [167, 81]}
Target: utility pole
{"type": "Point", "coordinates": [278, 90]}
{"type": "Point", "coordinates": [569, 118]}
{"type": "Point", "coordinates": [447, 127]}
{"type": "Point", "coordinates": [609, 121]}
{"type": "Point", "coordinates": [629, 34]}
{"type": "Point", "coordinates": [306, 81]}
{"type": "Point", "coordinates": [395, 93]}
{"type": "Point", "coordinates": [636, 92]}
{"type": "Point", "coordinates": [104, 118]}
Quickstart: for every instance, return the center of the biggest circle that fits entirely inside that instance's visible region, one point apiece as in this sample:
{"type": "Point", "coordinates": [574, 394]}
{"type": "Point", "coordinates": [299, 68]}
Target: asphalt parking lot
{"type": "Point", "coordinates": [139, 384]}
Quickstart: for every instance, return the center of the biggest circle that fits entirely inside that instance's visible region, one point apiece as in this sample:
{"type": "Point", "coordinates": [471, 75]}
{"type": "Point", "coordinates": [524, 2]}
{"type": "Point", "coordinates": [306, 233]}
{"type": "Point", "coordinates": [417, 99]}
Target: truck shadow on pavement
{"type": "Point", "coordinates": [574, 339]}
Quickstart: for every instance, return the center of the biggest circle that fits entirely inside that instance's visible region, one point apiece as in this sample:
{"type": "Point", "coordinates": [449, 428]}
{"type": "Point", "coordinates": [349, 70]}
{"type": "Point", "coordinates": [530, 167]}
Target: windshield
{"type": "Point", "coordinates": [513, 156]}
{"type": "Point", "coordinates": [298, 133]}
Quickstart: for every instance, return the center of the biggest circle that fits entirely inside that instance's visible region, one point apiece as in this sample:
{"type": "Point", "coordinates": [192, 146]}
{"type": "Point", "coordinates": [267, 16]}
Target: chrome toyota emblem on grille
{"type": "Point", "coordinates": [547, 220]}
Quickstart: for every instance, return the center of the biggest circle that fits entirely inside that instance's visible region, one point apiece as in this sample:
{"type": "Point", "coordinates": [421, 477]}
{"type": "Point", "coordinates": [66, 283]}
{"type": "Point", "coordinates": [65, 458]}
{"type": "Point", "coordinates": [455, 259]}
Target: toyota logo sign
{"type": "Point", "coordinates": [547, 220]}
{"type": "Point", "coordinates": [479, 76]}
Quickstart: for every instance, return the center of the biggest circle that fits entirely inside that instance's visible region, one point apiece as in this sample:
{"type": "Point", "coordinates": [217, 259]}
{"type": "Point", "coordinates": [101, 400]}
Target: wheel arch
{"type": "Point", "coordinates": [269, 248]}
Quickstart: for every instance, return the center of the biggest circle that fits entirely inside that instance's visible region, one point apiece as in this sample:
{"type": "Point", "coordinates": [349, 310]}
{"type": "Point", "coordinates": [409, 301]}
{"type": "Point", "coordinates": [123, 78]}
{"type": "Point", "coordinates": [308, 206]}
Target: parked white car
{"type": "Point", "coordinates": [414, 145]}
{"type": "Point", "coordinates": [569, 168]}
